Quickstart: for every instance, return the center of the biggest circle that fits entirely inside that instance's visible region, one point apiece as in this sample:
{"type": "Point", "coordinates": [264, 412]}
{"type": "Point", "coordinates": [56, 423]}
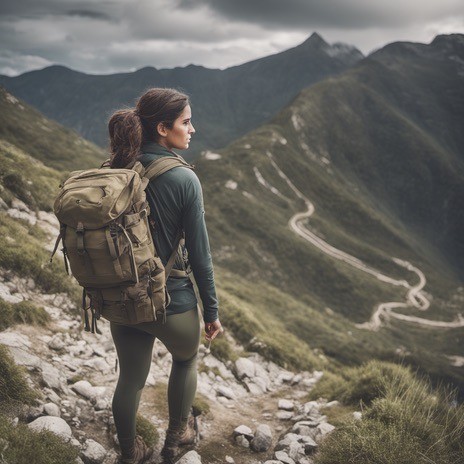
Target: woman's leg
{"type": "Point", "coordinates": [134, 348]}
{"type": "Point", "coordinates": [181, 336]}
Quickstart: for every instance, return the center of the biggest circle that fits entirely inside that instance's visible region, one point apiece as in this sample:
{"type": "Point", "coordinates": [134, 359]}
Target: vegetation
{"type": "Point", "coordinates": [14, 389]}
{"type": "Point", "coordinates": [222, 349]}
{"type": "Point", "coordinates": [19, 444]}
{"type": "Point", "coordinates": [26, 256]}
{"type": "Point", "coordinates": [403, 420]}
{"type": "Point", "coordinates": [24, 312]}
{"type": "Point", "coordinates": [43, 139]}
{"type": "Point", "coordinates": [200, 405]}
{"type": "Point", "coordinates": [147, 430]}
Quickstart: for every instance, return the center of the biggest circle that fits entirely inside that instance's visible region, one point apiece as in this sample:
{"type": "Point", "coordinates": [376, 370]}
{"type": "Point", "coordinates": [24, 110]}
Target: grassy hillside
{"type": "Point", "coordinates": [45, 140]}
{"type": "Point", "coordinates": [383, 184]}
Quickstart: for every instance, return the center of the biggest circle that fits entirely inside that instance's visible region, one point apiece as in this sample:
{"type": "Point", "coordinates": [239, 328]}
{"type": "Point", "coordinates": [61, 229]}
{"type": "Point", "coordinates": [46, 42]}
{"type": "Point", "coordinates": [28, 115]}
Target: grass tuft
{"type": "Point", "coordinates": [14, 389]}
{"type": "Point", "coordinates": [147, 431]}
{"type": "Point", "coordinates": [24, 312]}
{"type": "Point", "coordinates": [404, 420]}
{"type": "Point", "coordinates": [19, 444]}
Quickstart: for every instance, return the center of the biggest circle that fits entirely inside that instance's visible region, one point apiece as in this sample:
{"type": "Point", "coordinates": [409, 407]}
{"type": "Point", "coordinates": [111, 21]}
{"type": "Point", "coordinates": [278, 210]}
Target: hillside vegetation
{"type": "Point", "coordinates": [45, 140]}
{"type": "Point", "coordinates": [358, 148]}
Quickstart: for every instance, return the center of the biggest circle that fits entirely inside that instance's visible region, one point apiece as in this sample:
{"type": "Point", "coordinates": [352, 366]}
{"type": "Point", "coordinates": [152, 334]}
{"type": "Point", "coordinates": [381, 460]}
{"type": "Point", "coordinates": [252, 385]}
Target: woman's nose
{"type": "Point", "coordinates": [192, 129]}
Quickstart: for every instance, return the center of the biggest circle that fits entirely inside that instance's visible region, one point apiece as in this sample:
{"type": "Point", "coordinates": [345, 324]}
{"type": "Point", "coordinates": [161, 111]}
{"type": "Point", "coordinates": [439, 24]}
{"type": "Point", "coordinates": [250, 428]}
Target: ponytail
{"type": "Point", "coordinates": [130, 128]}
{"type": "Point", "coordinates": [125, 130]}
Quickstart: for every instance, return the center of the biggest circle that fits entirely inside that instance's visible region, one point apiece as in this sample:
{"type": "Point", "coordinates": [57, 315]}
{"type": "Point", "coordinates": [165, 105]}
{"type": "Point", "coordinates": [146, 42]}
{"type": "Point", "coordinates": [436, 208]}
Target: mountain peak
{"type": "Point", "coordinates": [315, 40]}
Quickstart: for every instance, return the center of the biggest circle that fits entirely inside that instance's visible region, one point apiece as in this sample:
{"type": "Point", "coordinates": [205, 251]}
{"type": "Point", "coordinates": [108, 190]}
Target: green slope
{"type": "Point", "coordinates": [385, 182]}
{"type": "Point", "coordinates": [43, 139]}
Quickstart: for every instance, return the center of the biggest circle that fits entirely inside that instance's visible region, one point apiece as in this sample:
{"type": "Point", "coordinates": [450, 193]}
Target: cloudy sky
{"type": "Point", "coordinates": [105, 36]}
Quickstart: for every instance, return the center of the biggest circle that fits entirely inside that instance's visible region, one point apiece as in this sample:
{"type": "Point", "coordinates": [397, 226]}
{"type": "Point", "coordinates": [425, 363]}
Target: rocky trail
{"type": "Point", "coordinates": [253, 403]}
{"type": "Point", "coordinates": [75, 373]}
{"type": "Point", "coordinates": [415, 297]}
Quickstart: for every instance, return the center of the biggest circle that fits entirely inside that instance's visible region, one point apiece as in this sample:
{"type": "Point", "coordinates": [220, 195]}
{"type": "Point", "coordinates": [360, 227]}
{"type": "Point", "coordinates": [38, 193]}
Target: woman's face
{"type": "Point", "coordinates": [181, 132]}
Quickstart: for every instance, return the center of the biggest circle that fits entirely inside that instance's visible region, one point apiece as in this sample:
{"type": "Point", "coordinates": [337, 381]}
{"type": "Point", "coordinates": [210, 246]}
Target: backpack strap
{"type": "Point", "coordinates": [164, 164]}
{"type": "Point", "coordinates": [152, 171]}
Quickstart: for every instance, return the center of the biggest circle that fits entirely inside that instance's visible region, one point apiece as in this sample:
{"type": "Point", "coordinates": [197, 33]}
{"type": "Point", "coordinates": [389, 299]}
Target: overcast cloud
{"type": "Point", "coordinates": [108, 36]}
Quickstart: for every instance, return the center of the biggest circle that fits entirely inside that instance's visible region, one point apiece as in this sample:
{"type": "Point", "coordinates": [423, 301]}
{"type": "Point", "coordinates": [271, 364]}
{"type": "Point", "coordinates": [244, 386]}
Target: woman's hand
{"type": "Point", "coordinates": [212, 329]}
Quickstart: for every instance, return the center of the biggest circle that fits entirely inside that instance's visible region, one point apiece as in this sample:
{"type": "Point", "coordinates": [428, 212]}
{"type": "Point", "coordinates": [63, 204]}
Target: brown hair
{"type": "Point", "coordinates": [129, 129]}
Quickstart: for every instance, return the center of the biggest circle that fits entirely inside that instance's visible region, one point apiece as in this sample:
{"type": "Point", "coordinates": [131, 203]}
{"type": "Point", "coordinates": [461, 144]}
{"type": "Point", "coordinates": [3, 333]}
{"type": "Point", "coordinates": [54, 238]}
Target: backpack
{"type": "Point", "coordinates": [107, 242]}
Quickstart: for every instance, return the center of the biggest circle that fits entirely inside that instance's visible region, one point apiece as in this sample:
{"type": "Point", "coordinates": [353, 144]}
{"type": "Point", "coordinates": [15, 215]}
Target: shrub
{"type": "Point", "coordinates": [24, 312]}
{"type": "Point", "coordinates": [25, 256]}
{"type": "Point", "coordinates": [404, 420]}
{"type": "Point", "coordinates": [21, 445]}
{"type": "Point", "coordinates": [14, 389]}
{"type": "Point", "coordinates": [221, 349]}
{"type": "Point", "coordinates": [147, 431]}
{"type": "Point", "coordinates": [364, 383]}
{"type": "Point", "coordinates": [200, 405]}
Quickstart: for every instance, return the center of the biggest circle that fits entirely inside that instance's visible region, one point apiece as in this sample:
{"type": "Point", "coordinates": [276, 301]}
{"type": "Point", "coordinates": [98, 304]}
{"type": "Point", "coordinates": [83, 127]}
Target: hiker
{"type": "Point", "coordinates": [160, 122]}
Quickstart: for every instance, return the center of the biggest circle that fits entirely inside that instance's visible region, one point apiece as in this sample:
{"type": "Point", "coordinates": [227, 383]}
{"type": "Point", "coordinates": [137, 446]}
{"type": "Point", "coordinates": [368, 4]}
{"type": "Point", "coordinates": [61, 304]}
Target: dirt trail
{"type": "Point", "coordinates": [415, 298]}
{"type": "Point", "coordinates": [218, 424]}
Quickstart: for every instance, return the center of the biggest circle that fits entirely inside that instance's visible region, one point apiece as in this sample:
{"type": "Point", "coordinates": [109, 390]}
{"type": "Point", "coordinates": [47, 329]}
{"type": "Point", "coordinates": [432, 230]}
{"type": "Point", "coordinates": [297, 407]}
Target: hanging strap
{"type": "Point", "coordinates": [172, 258]}
{"type": "Point", "coordinates": [86, 311]}
{"type": "Point", "coordinates": [58, 239]}
{"type": "Point", "coordinates": [133, 263]}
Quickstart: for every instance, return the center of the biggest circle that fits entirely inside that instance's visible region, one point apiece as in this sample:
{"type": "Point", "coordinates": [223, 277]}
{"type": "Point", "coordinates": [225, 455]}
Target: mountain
{"type": "Point", "coordinates": [377, 151]}
{"type": "Point", "coordinates": [348, 203]}
{"type": "Point", "coordinates": [226, 103]}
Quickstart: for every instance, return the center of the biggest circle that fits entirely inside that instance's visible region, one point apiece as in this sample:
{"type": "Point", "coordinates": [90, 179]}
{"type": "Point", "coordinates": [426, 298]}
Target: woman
{"type": "Point", "coordinates": [161, 122]}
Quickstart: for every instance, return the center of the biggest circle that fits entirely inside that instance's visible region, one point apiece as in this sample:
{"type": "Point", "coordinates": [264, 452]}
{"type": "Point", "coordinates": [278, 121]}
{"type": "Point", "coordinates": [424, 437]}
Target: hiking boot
{"type": "Point", "coordinates": [182, 434]}
{"type": "Point", "coordinates": [134, 451]}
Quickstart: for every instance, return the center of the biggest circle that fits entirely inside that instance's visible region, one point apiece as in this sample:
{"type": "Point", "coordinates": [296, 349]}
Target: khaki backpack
{"type": "Point", "coordinates": [107, 241]}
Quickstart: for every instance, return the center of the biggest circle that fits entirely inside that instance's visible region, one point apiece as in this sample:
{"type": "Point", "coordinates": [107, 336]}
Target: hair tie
{"type": "Point", "coordinates": [136, 112]}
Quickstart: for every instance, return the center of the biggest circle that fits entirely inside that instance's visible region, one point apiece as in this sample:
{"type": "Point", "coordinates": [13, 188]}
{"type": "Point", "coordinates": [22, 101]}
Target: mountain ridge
{"type": "Point", "coordinates": [227, 103]}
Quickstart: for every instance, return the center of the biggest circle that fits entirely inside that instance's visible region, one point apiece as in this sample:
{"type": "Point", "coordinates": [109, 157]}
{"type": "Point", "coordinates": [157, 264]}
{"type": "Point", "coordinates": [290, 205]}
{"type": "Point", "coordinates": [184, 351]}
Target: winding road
{"type": "Point", "coordinates": [415, 296]}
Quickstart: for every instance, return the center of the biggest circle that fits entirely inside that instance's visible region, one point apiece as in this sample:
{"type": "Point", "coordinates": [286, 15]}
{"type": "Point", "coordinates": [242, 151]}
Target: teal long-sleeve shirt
{"type": "Point", "coordinates": [176, 203]}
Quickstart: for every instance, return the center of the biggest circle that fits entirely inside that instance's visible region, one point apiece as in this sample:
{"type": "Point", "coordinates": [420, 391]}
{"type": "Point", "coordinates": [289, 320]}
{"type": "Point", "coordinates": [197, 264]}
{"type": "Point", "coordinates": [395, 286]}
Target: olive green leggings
{"type": "Point", "coordinates": [134, 345]}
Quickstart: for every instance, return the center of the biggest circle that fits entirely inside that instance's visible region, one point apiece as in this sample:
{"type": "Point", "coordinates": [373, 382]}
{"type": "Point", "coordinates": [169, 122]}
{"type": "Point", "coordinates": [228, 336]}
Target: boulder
{"type": "Point", "coordinates": [282, 456]}
{"type": "Point", "coordinates": [245, 368]}
{"type": "Point", "coordinates": [87, 390]}
{"type": "Point", "coordinates": [93, 452]}
{"type": "Point", "coordinates": [263, 438]}
{"type": "Point", "coordinates": [55, 425]}
{"type": "Point", "coordinates": [192, 457]}
{"type": "Point", "coordinates": [226, 391]}
{"type": "Point", "coordinates": [286, 405]}
{"type": "Point", "coordinates": [51, 409]}
{"type": "Point", "coordinates": [243, 430]}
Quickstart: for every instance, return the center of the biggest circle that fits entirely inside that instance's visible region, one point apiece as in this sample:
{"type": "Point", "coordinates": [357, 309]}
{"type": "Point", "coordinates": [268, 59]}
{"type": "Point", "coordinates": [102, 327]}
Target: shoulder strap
{"type": "Point", "coordinates": [162, 165]}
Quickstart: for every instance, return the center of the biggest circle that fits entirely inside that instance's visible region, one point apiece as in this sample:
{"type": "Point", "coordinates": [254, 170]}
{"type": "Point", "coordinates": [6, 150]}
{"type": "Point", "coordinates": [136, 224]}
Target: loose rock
{"type": "Point", "coordinates": [243, 430]}
{"type": "Point", "coordinates": [262, 439]}
{"type": "Point", "coordinates": [192, 457]}
{"type": "Point", "coordinates": [51, 409]}
{"type": "Point", "coordinates": [54, 424]}
{"type": "Point", "coordinates": [286, 405]}
{"type": "Point", "coordinates": [93, 452]}
{"type": "Point", "coordinates": [282, 456]}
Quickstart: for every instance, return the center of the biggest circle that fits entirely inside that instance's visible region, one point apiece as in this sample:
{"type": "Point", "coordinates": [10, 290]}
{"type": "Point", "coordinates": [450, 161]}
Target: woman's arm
{"type": "Point", "coordinates": [199, 254]}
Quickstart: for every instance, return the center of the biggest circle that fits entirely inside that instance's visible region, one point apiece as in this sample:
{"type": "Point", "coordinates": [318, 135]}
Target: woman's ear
{"type": "Point", "coordinates": [161, 129]}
